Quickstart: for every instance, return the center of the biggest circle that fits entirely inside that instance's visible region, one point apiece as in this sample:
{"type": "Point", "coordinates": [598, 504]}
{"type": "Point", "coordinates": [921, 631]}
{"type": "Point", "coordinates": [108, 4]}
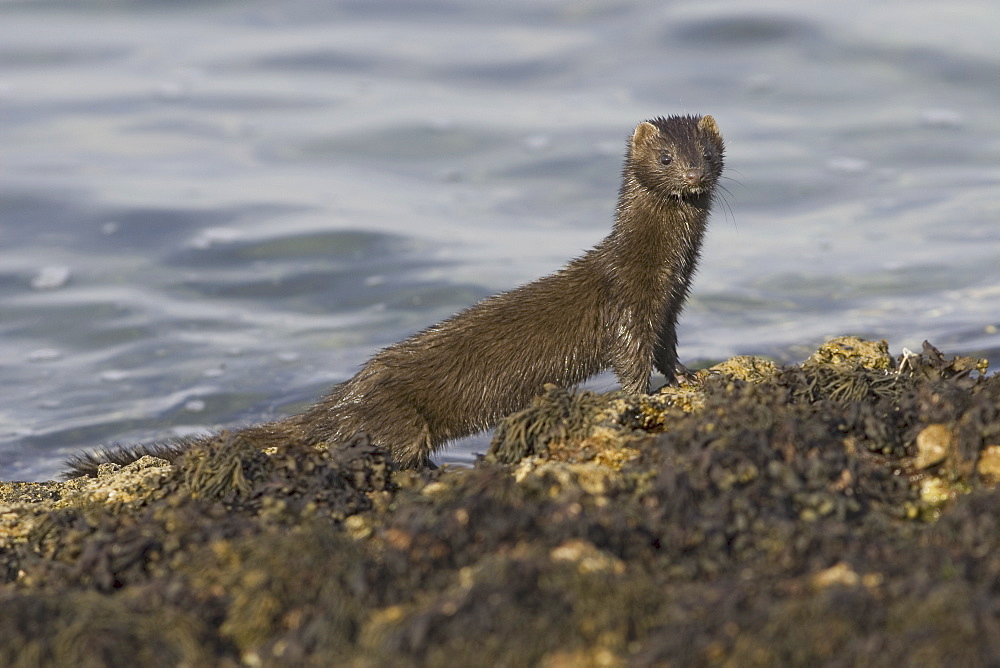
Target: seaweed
{"type": "Point", "coordinates": [842, 512]}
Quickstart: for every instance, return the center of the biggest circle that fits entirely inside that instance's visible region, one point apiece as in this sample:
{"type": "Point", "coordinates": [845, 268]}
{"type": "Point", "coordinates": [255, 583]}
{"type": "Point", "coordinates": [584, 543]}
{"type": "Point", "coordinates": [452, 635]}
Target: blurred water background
{"type": "Point", "coordinates": [210, 212]}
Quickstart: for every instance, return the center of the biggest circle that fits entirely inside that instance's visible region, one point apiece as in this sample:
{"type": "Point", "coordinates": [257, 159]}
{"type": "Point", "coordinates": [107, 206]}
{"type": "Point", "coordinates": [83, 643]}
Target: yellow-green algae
{"type": "Point", "coordinates": [755, 515]}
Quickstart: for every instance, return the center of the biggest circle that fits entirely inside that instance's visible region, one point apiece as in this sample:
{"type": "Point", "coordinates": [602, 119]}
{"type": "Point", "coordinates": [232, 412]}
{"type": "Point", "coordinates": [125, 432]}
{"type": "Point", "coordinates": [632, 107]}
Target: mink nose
{"type": "Point", "coordinates": [694, 177]}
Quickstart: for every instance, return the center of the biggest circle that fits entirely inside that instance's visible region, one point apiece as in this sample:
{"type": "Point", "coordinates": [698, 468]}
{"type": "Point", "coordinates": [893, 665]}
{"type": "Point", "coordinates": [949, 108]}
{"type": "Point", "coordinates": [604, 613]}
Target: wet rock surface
{"type": "Point", "coordinates": [838, 512]}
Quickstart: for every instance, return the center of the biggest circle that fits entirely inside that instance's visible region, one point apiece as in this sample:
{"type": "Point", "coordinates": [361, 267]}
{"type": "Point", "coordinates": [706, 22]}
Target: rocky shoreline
{"type": "Point", "coordinates": [840, 512]}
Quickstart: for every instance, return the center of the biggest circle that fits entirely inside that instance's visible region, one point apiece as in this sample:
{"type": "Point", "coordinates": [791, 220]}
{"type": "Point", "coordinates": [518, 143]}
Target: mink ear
{"type": "Point", "coordinates": [707, 124]}
{"type": "Point", "coordinates": [644, 132]}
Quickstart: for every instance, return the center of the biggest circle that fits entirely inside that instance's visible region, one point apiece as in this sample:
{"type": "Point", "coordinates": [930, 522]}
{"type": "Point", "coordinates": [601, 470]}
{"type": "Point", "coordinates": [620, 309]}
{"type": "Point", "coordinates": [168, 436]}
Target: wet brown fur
{"type": "Point", "coordinates": [615, 307]}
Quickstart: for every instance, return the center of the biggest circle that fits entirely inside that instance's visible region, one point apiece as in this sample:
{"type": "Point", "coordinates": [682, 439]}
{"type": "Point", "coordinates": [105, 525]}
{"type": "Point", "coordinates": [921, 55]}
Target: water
{"type": "Point", "coordinates": [212, 211]}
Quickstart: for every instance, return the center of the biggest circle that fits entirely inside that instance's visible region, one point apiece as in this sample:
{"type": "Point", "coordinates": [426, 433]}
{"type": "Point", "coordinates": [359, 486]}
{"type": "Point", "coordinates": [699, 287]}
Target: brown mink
{"type": "Point", "coordinates": [615, 307]}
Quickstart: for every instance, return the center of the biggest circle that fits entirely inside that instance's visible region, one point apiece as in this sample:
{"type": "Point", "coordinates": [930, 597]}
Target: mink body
{"type": "Point", "coordinates": [615, 307]}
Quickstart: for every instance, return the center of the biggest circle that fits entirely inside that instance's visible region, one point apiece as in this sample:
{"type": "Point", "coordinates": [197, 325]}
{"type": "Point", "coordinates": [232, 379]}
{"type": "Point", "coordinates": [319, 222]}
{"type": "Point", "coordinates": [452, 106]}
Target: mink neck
{"type": "Point", "coordinates": [655, 231]}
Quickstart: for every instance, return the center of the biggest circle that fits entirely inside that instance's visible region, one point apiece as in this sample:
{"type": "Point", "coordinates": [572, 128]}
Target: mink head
{"type": "Point", "coordinates": [679, 156]}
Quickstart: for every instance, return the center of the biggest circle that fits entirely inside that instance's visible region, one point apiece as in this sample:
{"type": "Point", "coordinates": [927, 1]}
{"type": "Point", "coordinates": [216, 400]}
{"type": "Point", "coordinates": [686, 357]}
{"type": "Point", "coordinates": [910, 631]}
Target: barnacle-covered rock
{"type": "Point", "coordinates": [841, 511]}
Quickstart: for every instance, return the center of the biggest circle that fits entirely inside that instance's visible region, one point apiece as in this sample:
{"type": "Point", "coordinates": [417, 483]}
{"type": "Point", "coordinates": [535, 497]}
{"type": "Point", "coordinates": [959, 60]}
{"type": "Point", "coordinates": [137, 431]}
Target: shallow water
{"type": "Point", "coordinates": [211, 213]}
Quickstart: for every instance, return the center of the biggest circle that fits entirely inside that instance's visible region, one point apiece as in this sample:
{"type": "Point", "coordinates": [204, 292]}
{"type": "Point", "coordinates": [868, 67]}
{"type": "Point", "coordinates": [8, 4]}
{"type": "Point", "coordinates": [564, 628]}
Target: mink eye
{"type": "Point", "coordinates": [708, 155]}
{"type": "Point", "coordinates": [666, 158]}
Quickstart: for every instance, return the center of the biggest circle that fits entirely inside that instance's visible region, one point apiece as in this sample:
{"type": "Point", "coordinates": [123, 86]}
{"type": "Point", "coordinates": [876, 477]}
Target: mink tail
{"type": "Point", "coordinates": [87, 463]}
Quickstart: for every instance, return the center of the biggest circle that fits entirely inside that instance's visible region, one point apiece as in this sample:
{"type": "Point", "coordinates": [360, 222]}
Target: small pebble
{"type": "Point", "coordinates": [988, 466]}
{"type": "Point", "coordinates": [934, 444]}
{"type": "Point", "coordinates": [839, 574]}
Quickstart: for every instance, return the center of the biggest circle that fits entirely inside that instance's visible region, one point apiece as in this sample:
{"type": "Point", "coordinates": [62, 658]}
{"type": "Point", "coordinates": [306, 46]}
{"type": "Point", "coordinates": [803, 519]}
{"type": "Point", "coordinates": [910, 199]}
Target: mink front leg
{"type": "Point", "coordinates": [633, 363]}
{"type": "Point", "coordinates": [665, 353]}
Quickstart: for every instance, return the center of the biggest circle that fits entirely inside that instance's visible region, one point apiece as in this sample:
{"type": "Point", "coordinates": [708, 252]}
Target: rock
{"type": "Point", "coordinates": [988, 466]}
{"type": "Point", "coordinates": [934, 445]}
{"type": "Point", "coordinates": [759, 515]}
{"type": "Point", "coordinates": [854, 351]}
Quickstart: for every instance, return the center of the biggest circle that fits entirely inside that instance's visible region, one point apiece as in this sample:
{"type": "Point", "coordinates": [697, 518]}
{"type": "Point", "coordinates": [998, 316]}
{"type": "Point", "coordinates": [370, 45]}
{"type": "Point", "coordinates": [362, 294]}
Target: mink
{"type": "Point", "coordinates": [614, 307]}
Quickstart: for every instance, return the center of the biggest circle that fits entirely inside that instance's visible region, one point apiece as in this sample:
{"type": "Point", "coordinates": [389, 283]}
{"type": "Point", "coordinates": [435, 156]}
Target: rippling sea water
{"type": "Point", "coordinates": [210, 212]}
